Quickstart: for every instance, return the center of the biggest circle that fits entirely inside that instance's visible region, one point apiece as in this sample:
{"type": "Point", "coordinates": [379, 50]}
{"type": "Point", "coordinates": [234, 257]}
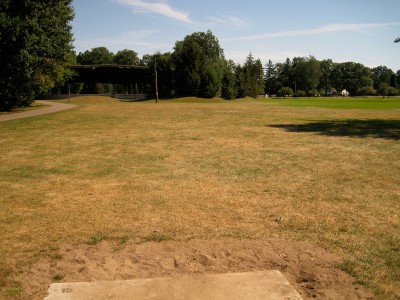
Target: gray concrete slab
{"type": "Point", "coordinates": [252, 285]}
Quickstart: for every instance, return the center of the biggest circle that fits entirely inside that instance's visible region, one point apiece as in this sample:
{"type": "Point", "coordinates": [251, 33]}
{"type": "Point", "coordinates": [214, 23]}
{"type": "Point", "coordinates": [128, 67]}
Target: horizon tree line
{"type": "Point", "coordinates": [200, 69]}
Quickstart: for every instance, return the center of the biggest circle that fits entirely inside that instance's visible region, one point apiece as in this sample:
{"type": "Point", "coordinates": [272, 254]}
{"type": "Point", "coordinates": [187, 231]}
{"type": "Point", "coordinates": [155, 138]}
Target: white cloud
{"type": "Point", "coordinates": [264, 56]}
{"type": "Point", "coordinates": [229, 20]}
{"type": "Point", "coordinates": [135, 40]}
{"type": "Point", "coordinates": [157, 8]}
{"type": "Point", "coordinates": [314, 31]}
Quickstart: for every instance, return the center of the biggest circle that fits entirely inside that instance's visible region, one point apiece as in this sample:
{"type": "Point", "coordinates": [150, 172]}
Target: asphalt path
{"type": "Point", "coordinates": [52, 108]}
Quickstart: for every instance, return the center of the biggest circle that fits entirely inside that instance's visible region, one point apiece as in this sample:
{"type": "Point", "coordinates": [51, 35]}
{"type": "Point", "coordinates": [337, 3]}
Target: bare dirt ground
{"type": "Point", "coordinates": [310, 269]}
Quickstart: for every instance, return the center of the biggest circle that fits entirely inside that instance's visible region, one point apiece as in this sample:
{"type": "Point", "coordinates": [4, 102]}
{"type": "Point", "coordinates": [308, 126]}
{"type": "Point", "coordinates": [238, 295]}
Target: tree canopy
{"type": "Point", "coordinates": [126, 57]}
{"type": "Point", "coordinates": [198, 60]}
{"type": "Point", "coordinates": [96, 56]}
{"type": "Point", "coordinates": [35, 47]}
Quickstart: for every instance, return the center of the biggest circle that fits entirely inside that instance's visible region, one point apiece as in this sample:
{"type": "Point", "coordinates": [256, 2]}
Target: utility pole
{"type": "Point", "coordinates": [155, 69]}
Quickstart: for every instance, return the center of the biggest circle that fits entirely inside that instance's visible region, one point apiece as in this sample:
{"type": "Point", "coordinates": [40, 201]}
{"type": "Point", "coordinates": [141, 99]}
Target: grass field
{"type": "Point", "coordinates": [325, 171]}
{"type": "Point", "coordinates": [374, 103]}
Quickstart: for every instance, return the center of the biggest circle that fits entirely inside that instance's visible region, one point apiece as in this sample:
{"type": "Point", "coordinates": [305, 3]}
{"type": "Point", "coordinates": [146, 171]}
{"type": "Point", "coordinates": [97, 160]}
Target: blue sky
{"type": "Point", "coordinates": [343, 30]}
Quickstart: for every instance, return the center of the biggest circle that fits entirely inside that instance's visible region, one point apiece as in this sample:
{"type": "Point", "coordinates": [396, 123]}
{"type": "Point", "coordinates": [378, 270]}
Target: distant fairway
{"type": "Point", "coordinates": [320, 170]}
{"type": "Point", "coordinates": [374, 103]}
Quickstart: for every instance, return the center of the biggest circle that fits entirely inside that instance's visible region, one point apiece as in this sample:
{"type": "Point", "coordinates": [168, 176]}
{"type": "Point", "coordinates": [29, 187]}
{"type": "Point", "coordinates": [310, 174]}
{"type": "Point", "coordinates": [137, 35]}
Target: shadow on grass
{"type": "Point", "coordinates": [373, 128]}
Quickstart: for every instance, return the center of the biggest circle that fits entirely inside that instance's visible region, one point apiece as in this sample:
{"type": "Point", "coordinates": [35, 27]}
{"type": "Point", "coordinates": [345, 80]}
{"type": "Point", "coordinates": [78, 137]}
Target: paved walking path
{"type": "Point", "coordinates": [54, 107]}
{"type": "Point", "coordinates": [261, 285]}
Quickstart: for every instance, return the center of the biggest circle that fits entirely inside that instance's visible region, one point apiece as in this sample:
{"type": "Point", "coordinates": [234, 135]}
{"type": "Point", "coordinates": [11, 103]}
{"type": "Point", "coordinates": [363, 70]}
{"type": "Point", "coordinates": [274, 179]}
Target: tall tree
{"type": "Point", "coordinates": [351, 76]}
{"type": "Point", "coordinates": [229, 89]}
{"type": "Point", "coordinates": [326, 70]}
{"type": "Point", "coordinates": [380, 75]}
{"type": "Point", "coordinates": [285, 74]}
{"type": "Point", "coordinates": [96, 56]}
{"type": "Point", "coordinates": [196, 58]}
{"type": "Point", "coordinates": [254, 71]}
{"type": "Point", "coordinates": [271, 78]}
{"type": "Point", "coordinates": [306, 73]}
{"type": "Point", "coordinates": [126, 57]}
{"type": "Point", "coordinates": [35, 48]}
{"type": "Point", "coordinates": [165, 75]}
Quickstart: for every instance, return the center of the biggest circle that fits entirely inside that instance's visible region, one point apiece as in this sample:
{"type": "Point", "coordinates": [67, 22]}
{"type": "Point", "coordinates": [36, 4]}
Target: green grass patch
{"type": "Point", "coordinates": [97, 238]}
{"type": "Point", "coordinates": [156, 237]}
{"type": "Point", "coordinates": [13, 291]}
{"type": "Point", "coordinates": [339, 103]}
{"type": "Point", "coordinates": [58, 277]}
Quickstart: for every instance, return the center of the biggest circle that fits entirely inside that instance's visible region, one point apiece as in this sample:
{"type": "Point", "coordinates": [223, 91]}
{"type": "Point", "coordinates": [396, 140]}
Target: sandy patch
{"type": "Point", "coordinates": [310, 269]}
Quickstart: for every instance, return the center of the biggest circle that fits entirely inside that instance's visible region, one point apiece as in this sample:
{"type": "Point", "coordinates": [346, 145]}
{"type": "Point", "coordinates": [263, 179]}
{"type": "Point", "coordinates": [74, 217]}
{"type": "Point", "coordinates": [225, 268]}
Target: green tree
{"type": "Point", "coordinates": [285, 92]}
{"type": "Point", "coordinates": [165, 74]}
{"type": "Point", "coordinates": [386, 90]}
{"type": "Point", "coordinates": [393, 91]}
{"type": "Point", "coordinates": [240, 81]}
{"type": "Point", "coordinates": [126, 57]}
{"type": "Point", "coordinates": [351, 76]}
{"type": "Point", "coordinates": [35, 48]}
{"type": "Point", "coordinates": [211, 83]}
{"type": "Point", "coordinates": [285, 73]}
{"type": "Point", "coordinates": [394, 82]}
{"type": "Point", "coordinates": [383, 89]}
{"type": "Point", "coordinates": [300, 93]}
{"type": "Point", "coordinates": [306, 73]}
{"type": "Point", "coordinates": [271, 78]}
{"type": "Point", "coordinates": [366, 91]}
{"type": "Point", "coordinates": [196, 58]}
{"type": "Point", "coordinates": [252, 77]}
{"type": "Point", "coordinates": [96, 56]}
{"type": "Point", "coordinates": [380, 75]}
{"type": "Point", "coordinates": [229, 89]}
{"type": "Point", "coordinates": [326, 70]}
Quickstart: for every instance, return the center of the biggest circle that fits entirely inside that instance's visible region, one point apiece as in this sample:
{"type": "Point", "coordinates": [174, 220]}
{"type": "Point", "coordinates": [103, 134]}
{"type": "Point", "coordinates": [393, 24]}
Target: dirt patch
{"type": "Point", "coordinates": [310, 269]}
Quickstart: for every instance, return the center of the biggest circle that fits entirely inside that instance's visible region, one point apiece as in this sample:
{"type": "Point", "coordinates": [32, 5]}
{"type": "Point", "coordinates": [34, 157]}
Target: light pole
{"type": "Point", "coordinates": [155, 69]}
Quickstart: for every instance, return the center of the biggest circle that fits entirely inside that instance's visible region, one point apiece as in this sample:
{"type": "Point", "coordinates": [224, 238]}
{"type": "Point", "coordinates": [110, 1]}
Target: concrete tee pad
{"type": "Point", "coordinates": [251, 285]}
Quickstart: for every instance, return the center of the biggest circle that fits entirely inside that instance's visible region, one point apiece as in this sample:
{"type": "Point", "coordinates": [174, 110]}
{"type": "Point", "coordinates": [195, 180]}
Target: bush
{"type": "Point", "coordinates": [300, 93]}
{"type": "Point", "coordinates": [366, 90]}
{"type": "Point", "coordinates": [285, 92]}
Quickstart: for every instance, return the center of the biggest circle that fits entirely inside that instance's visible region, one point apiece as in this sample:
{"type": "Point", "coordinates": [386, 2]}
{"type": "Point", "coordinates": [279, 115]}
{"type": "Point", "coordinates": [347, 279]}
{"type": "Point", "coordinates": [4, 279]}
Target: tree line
{"type": "Point", "coordinates": [196, 67]}
{"type": "Point", "coordinates": [306, 76]}
{"type": "Point", "coordinates": [36, 48]}
{"type": "Point", "coordinates": [200, 69]}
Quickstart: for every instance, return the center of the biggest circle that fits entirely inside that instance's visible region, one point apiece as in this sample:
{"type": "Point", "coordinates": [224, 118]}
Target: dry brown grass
{"type": "Point", "coordinates": [200, 170]}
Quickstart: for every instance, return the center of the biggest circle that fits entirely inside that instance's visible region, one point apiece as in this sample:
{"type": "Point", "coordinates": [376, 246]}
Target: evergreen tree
{"type": "Point", "coordinates": [229, 89]}
{"type": "Point", "coordinates": [252, 77]}
{"type": "Point", "coordinates": [271, 78]}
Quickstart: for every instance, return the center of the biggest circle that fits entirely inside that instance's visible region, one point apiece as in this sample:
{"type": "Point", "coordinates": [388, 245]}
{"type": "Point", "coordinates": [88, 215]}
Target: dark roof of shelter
{"type": "Point", "coordinates": [123, 74]}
